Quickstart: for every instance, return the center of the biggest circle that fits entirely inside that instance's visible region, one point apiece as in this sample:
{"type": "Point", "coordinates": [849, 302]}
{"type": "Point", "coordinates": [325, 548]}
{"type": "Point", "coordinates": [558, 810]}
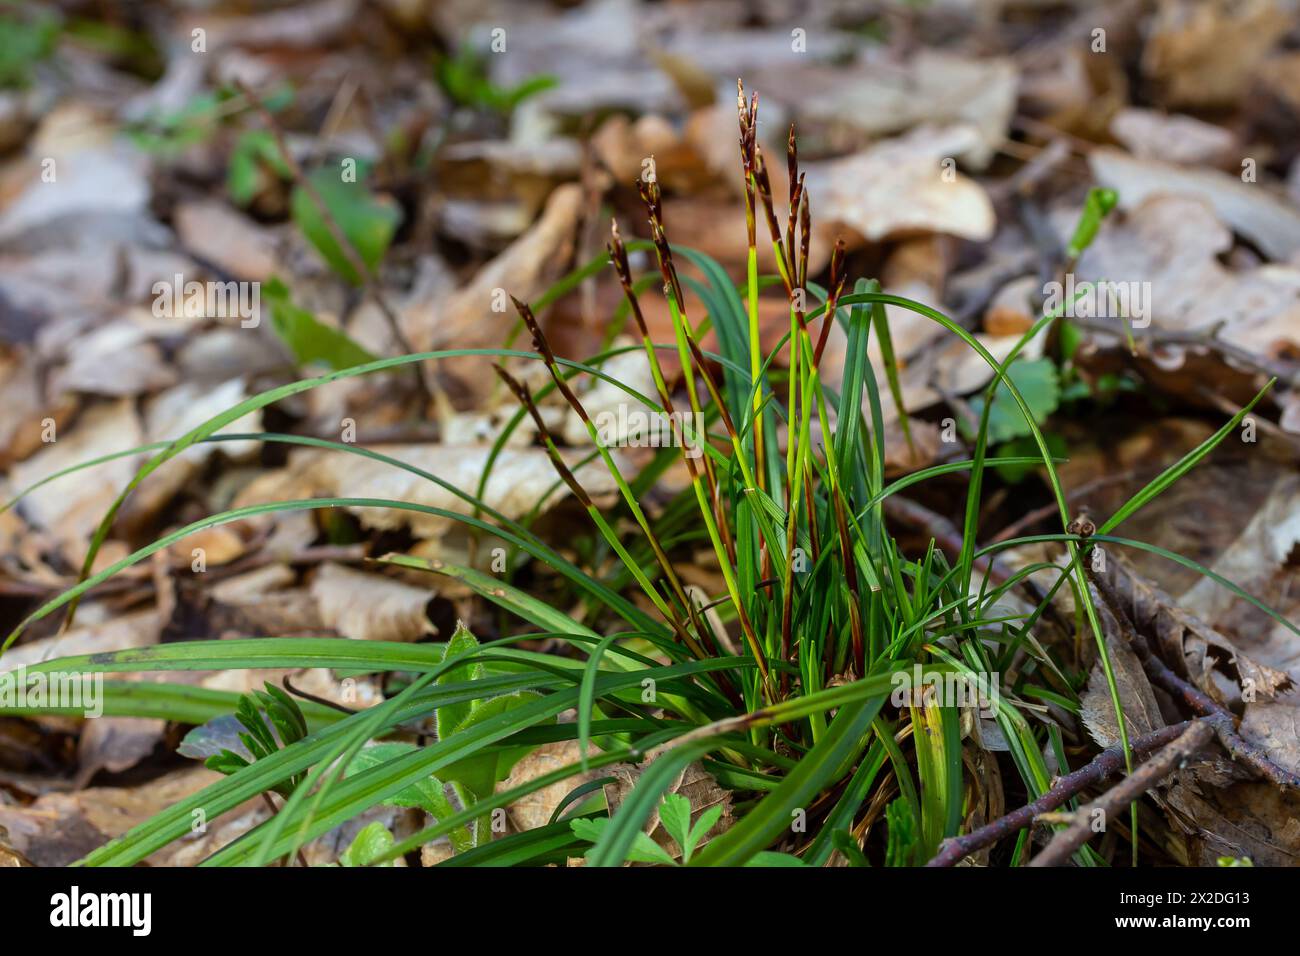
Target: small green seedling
{"type": "Point", "coordinates": [370, 843]}
{"type": "Point", "coordinates": [463, 77]}
{"type": "Point", "coordinates": [255, 164]}
{"type": "Point", "coordinates": [466, 781]}
{"type": "Point", "coordinates": [367, 220]}
{"type": "Point", "coordinates": [259, 712]}
{"type": "Point", "coordinates": [1096, 207]}
{"type": "Point", "coordinates": [675, 814]}
{"type": "Point", "coordinates": [311, 341]}
{"type": "Point", "coordinates": [25, 41]}
{"type": "Point", "coordinates": [1038, 383]}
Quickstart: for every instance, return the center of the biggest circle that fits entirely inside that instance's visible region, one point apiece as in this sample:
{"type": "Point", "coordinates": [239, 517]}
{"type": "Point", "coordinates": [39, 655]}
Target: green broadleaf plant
{"type": "Point", "coordinates": [368, 221]}
{"type": "Point", "coordinates": [311, 341]}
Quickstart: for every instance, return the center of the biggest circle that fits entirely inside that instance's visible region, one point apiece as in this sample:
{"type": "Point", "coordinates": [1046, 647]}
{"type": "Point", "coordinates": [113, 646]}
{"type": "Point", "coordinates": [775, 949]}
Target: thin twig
{"type": "Point", "coordinates": [954, 849]}
{"type": "Point", "coordinates": [1112, 802]}
{"type": "Point", "coordinates": [1052, 510]}
{"type": "Point", "coordinates": [1287, 373]}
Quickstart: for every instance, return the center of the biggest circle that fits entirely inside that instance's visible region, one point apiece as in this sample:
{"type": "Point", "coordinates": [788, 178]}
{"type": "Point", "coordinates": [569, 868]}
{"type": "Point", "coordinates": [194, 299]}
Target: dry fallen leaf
{"type": "Point", "coordinates": [1173, 244]}
{"type": "Point", "coordinates": [607, 404]}
{"type": "Point", "coordinates": [1189, 645]}
{"type": "Point", "coordinates": [215, 233]}
{"type": "Point", "coordinates": [1203, 53]}
{"type": "Point", "coordinates": [520, 480]}
{"type": "Point", "coordinates": [1241, 819]}
{"type": "Point", "coordinates": [96, 174]}
{"type": "Point", "coordinates": [1174, 138]}
{"type": "Point", "coordinates": [1137, 700]}
{"type": "Point", "coordinates": [930, 86]}
{"type": "Point", "coordinates": [8, 855]}
{"type": "Point", "coordinates": [171, 414]}
{"type": "Point", "coordinates": [21, 396]}
{"type": "Point", "coordinates": [1261, 214]}
{"type": "Point", "coordinates": [1222, 814]}
{"type": "Point", "coordinates": [70, 507]}
{"type": "Point", "coordinates": [371, 607]}
{"type": "Point", "coordinates": [900, 187]}
{"type": "Point", "coordinates": [116, 359]}
{"type": "Point", "coordinates": [119, 633]}
{"type": "Point", "coordinates": [115, 744]}
{"type": "Point", "coordinates": [480, 314]}
{"type": "Point", "coordinates": [535, 809]}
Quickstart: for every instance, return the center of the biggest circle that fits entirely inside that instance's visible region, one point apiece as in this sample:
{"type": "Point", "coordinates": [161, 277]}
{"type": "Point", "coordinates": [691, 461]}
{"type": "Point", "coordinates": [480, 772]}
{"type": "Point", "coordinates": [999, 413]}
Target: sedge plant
{"type": "Point", "coordinates": [784, 685]}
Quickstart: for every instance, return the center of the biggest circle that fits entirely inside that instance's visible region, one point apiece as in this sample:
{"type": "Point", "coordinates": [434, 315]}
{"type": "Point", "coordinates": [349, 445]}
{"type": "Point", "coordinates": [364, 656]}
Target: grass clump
{"type": "Point", "coordinates": [792, 686]}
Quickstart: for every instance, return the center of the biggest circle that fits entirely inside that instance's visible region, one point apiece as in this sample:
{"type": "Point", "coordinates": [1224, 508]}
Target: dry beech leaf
{"type": "Point", "coordinates": [370, 607]}
{"type": "Point", "coordinates": [1190, 646]}
{"type": "Point", "coordinates": [1010, 311]}
{"type": "Point", "coordinates": [520, 479]}
{"type": "Point", "coordinates": [1173, 138]}
{"type": "Point", "coordinates": [22, 398]}
{"type": "Point", "coordinates": [931, 86]}
{"type": "Point", "coordinates": [534, 810]}
{"type": "Point", "coordinates": [117, 634]}
{"type": "Point", "coordinates": [220, 545]}
{"type": "Point", "coordinates": [478, 316]}
{"type": "Point", "coordinates": [96, 174]}
{"type": "Point", "coordinates": [117, 359]}
{"type": "Point", "coordinates": [990, 801]}
{"type": "Point", "coordinates": [1174, 242]}
{"type": "Point", "coordinates": [1260, 559]}
{"type": "Point", "coordinates": [115, 744]}
{"type": "Point", "coordinates": [1264, 217]}
{"type": "Point", "coordinates": [286, 612]}
{"type": "Point", "coordinates": [218, 234]}
{"type": "Point", "coordinates": [1137, 700]}
{"type": "Point", "coordinates": [1203, 53]}
{"type": "Point", "coordinates": [1221, 813]}
{"type": "Point", "coordinates": [69, 507]}
{"type": "Point", "coordinates": [9, 857]}
{"type": "Point", "coordinates": [1245, 818]}
{"type": "Point", "coordinates": [611, 405]}
{"type": "Point", "coordinates": [1275, 728]}
{"type": "Point", "coordinates": [624, 145]}
{"type": "Point", "coordinates": [60, 828]}
{"type": "Point", "coordinates": [304, 26]}
{"type": "Point", "coordinates": [171, 414]}
{"type": "Point", "coordinates": [897, 187]}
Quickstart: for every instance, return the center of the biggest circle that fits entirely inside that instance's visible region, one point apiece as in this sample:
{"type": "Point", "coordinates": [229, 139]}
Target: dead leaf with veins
{"type": "Point", "coordinates": [371, 607]}
{"type": "Point", "coordinates": [897, 188]}
{"type": "Point", "coordinates": [1137, 700]}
